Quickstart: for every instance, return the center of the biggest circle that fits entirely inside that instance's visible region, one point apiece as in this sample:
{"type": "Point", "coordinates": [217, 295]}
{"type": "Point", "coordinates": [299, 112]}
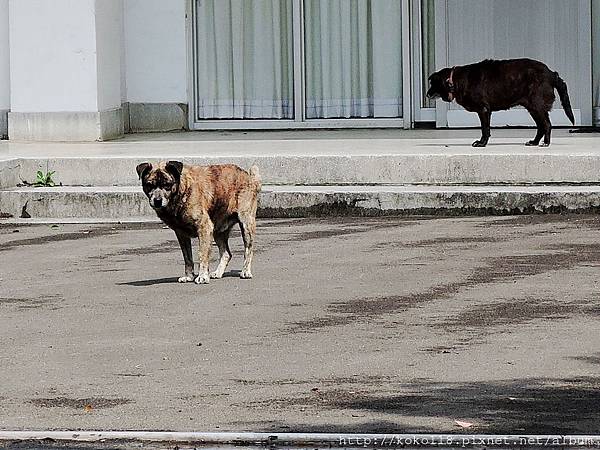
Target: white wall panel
{"type": "Point", "coordinates": [4, 57]}
{"type": "Point", "coordinates": [551, 31]}
{"type": "Point", "coordinates": [155, 51]}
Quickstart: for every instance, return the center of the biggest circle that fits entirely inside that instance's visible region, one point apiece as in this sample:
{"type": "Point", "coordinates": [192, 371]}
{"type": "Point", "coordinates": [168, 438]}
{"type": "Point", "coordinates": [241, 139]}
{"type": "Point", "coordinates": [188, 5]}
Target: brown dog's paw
{"type": "Point", "coordinates": [202, 279]}
{"type": "Point", "coordinates": [544, 144]}
{"type": "Point", "coordinates": [479, 144]}
{"type": "Point", "coordinates": [185, 279]}
{"type": "Point", "coordinates": [245, 274]}
{"type": "Point", "coordinates": [531, 143]}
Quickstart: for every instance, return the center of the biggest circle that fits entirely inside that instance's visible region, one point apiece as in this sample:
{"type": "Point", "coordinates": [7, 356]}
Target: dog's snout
{"type": "Point", "coordinates": [157, 202]}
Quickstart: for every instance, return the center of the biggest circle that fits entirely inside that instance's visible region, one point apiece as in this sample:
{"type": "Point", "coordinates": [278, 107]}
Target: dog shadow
{"type": "Point", "coordinates": [232, 274]}
{"type": "Point", "coordinates": [143, 283]}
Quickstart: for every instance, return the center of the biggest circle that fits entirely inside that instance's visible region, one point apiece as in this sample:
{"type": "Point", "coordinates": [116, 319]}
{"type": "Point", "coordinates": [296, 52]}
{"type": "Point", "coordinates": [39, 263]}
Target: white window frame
{"type": "Point", "coordinates": [420, 113]}
{"type": "Point", "coordinates": [299, 121]}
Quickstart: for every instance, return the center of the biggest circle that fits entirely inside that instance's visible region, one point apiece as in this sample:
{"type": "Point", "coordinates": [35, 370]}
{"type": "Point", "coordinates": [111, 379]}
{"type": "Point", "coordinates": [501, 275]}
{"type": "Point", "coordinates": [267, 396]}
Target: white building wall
{"type": "Point", "coordinates": [55, 69]}
{"type": "Point", "coordinates": [4, 68]}
{"type": "Point", "coordinates": [109, 26]}
{"type": "Point", "coordinates": [65, 69]}
{"type": "Point", "coordinates": [155, 49]}
{"type": "Point", "coordinates": [596, 59]}
{"type": "Point", "coordinates": [4, 57]}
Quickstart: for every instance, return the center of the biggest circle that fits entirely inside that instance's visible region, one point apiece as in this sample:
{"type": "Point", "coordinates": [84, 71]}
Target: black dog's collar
{"type": "Point", "coordinates": [449, 81]}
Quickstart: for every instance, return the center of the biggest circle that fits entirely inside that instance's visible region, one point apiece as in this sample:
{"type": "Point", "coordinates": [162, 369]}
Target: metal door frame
{"type": "Point", "coordinates": [420, 113]}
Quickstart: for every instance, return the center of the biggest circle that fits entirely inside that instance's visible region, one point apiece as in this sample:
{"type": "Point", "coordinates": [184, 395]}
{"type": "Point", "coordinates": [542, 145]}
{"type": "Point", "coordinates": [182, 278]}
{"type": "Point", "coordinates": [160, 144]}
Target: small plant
{"type": "Point", "coordinates": [44, 180]}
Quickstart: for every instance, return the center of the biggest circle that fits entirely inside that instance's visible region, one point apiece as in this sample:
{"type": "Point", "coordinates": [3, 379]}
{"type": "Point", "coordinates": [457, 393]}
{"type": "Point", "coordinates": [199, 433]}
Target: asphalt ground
{"type": "Point", "coordinates": [349, 325]}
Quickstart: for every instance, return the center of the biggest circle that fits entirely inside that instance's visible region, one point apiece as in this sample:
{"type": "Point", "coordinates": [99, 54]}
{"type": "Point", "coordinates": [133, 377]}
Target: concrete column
{"type": "Point", "coordinates": [4, 69]}
{"type": "Point", "coordinates": [65, 70]}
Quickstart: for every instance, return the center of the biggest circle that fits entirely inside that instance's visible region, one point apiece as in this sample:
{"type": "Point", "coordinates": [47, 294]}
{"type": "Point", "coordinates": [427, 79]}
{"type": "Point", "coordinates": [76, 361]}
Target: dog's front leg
{"type": "Point", "coordinates": [205, 231]}
{"type": "Point", "coordinates": [485, 118]}
{"type": "Point", "coordinates": [186, 248]}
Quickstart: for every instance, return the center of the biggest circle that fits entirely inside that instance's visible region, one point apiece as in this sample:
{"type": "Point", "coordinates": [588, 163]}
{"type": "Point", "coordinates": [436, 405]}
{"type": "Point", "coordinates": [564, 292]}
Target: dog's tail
{"type": "Point", "coordinates": [561, 87]}
{"type": "Point", "coordinates": [255, 177]}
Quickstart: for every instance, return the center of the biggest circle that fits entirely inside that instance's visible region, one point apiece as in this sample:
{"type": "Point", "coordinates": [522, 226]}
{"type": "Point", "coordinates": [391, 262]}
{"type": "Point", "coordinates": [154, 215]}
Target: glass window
{"type": "Point", "coordinates": [244, 59]}
{"type": "Point", "coordinates": [353, 58]}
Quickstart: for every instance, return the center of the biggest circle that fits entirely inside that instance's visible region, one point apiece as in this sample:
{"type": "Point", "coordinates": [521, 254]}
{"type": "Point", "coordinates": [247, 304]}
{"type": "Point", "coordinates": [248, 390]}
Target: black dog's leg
{"type": "Point", "coordinates": [484, 117]}
{"type": "Point", "coordinates": [547, 129]}
{"type": "Point", "coordinates": [540, 128]}
{"type": "Point", "coordinates": [186, 248]}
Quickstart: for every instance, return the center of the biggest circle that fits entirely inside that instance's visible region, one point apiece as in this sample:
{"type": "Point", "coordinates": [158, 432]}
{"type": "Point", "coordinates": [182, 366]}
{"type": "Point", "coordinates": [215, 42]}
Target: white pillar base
{"type": "Point", "coordinates": [66, 126]}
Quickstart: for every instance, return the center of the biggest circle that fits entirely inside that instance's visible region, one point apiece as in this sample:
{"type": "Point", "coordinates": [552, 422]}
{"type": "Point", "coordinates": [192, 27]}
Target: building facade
{"type": "Point", "coordinates": [95, 69]}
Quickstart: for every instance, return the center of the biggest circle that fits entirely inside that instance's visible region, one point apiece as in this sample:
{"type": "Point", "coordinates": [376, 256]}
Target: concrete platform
{"type": "Point", "coordinates": [346, 171]}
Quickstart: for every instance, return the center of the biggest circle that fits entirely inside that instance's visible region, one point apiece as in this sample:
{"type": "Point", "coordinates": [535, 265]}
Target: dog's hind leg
{"type": "Point", "coordinates": [222, 240]}
{"type": "Point", "coordinates": [547, 129]}
{"type": "Point", "coordinates": [485, 117]}
{"type": "Point", "coordinates": [248, 228]}
{"type": "Point", "coordinates": [186, 248]}
{"type": "Point", "coordinates": [540, 128]}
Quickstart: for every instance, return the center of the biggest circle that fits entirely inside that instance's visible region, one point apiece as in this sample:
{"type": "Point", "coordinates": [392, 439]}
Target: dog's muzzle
{"type": "Point", "coordinates": [157, 199]}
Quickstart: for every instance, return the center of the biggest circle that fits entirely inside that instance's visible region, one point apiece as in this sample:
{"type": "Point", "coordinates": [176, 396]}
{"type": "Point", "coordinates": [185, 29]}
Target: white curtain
{"type": "Point", "coordinates": [244, 59]}
{"type": "Point", "coordinates": [353, 58]}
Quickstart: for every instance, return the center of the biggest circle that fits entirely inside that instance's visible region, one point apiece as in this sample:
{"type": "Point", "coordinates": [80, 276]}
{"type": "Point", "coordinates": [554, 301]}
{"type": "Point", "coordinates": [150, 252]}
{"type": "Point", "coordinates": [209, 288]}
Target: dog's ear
{"type": "Point", "coordinates": [174, 168]}
{"type": "Point", "coordinates": [142, 169]}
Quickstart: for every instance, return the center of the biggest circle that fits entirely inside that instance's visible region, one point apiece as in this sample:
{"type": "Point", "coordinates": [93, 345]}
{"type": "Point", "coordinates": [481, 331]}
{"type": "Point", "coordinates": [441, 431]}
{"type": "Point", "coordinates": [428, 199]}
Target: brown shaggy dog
{"type": "Point", "coordinates": [491, 85]}
{"type": "Point", "coordinates": [204, 202]}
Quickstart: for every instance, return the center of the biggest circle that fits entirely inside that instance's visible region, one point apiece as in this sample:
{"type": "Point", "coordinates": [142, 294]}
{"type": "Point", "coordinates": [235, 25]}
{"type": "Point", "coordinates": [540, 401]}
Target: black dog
{"type": "Point", "coordinates": [491, 85]}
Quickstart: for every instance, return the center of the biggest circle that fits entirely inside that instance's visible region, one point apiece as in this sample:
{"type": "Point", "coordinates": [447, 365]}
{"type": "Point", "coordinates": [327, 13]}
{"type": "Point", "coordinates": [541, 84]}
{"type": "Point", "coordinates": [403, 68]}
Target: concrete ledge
{"type": "Point", "coordinates": [306, 440]}
{"type": "Point", "coordinates": [157, 117]}
{"type": "Point", "coordinates": [65, 126]}
{"type": "Point", "coordinates": [304, 201]}
{"type": "Point", "coordinates": [341, 170]}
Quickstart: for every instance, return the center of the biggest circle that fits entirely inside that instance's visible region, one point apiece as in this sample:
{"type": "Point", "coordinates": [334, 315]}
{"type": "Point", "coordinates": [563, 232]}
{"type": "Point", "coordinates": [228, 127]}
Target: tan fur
{"type": "Point", "coordinates": [205, 202]}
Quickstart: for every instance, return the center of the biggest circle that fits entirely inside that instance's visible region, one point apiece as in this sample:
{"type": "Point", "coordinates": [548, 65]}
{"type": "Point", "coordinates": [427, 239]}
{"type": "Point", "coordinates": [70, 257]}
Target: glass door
{"type": "Point", "coordinates": [299, 63]}
{"type": "Point", "coordinates": [353, 59]}
{"type": "Point", "coordinates": [244, 58]}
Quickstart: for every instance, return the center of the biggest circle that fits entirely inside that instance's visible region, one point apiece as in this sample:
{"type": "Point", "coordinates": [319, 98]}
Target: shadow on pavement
{"type": "Point", "coordinates": [520, 406]}
{"type": "Point", "coordinates": [141, 283]}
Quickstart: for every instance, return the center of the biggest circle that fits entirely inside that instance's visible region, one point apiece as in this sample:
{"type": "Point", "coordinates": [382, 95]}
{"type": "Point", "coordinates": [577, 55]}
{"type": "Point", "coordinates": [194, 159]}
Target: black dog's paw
{"type": "Point", "coordinates": [479, 144]}
{"type": "Point", "coordinates": [544, 144]}
{"type": "Point", "coordinates": [531, 144]}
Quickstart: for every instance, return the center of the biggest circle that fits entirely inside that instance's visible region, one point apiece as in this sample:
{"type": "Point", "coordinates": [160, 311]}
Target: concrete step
{"type": "Point", "coordinates": [318, 162]}
{"type": "Point", "coordinates": [129, 203]}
